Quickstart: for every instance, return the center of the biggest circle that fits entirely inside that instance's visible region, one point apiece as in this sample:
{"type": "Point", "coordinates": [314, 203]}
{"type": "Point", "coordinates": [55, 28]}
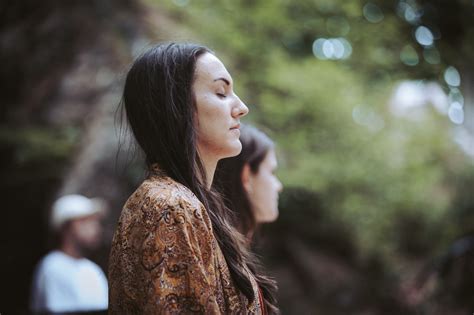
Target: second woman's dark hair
{"type": "Point", "coordinates": [255, 147]}
{"type": "Point", "coordinates": [160, 108]}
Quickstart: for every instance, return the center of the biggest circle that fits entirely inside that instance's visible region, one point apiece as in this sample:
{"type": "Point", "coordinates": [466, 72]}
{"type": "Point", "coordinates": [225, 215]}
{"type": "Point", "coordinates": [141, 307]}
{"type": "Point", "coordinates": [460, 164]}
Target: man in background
{"type": "Point", "coordinates": [64, 280]}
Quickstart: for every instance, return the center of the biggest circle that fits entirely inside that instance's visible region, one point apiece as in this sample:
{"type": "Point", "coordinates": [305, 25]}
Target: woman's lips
{"type": "Point", "coordinates": [235, 127]}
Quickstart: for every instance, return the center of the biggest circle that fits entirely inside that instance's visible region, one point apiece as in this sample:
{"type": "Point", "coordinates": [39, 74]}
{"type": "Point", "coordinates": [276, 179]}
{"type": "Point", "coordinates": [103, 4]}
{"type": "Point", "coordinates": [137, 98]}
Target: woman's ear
{"type": "Point", "coordinates": [246, 178]}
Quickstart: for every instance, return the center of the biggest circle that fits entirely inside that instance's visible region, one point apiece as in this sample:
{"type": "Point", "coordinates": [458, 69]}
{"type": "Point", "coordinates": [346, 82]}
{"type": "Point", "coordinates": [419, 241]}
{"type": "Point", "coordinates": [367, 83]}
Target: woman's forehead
{"type": "Point", "coordinates": [270, 158]}
{"type": "Point", "coordinates": [210, 68]}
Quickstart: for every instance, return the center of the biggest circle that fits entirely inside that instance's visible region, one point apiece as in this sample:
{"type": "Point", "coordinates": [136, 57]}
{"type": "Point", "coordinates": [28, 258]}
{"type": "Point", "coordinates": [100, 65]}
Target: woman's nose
{"type": "Point", "coordinates": [279, 185]}
{"type": "Point", "coordinates": [240, 109]}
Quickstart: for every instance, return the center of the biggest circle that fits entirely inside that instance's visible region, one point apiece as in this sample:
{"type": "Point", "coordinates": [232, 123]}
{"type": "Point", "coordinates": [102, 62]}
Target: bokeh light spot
{"type": "Point", "coordinates": [347, 48]}
{"type": "Point", "coordinates": [318, 48]}
{"type": "Point", "coordinates": [372, 12]}
{"type": "Point", "coordinates": [328, 48]}
{"type": "Point", "coordinates": [408, 12]}
{"type": "Point", "coordinates": [338, 48]}
{"type": "Point", "coordinates": [452, 77]}
{"type": "Point", "coordinates": [332, 48]}
{"type": "Point", "coordinates": [424, 36]}
{"type": "Point", "coordinates": [409, 56]}
{"type": "Point", "coordinates": [456, 113]}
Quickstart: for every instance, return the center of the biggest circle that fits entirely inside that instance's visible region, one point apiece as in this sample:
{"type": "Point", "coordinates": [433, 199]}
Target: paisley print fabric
{"type": "Point", "coordinates": [165, 258]}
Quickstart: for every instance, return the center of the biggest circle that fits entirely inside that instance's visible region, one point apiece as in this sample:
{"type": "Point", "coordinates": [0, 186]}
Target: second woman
{"type": "Point", "coordinates": [249, 183]}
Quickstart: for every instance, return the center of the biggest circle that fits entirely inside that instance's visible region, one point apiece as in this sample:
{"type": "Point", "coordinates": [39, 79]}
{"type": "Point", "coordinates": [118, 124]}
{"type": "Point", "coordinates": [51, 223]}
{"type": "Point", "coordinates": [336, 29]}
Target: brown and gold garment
{"type": "Point", "coordinates": [165, 258]}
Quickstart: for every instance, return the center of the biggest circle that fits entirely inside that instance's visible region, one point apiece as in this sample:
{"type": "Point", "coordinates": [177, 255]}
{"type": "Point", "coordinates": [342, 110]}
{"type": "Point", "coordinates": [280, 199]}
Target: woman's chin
{"type": "Point", "coordinates": [268, 217]}
{"type": "Point", "coordinates": [233, 150]}
{"type": "Point", "coordinates": [273, 216]}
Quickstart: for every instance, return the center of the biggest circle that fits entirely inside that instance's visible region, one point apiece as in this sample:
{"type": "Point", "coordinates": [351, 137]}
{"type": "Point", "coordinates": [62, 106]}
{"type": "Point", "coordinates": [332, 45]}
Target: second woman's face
{"type": "Point", "coordinates": [263, 190]}
{"type": "Point", "coordinates": [219, 110]}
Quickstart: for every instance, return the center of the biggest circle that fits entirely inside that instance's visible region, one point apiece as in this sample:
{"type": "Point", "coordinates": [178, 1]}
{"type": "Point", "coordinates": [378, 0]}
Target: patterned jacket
{"type": "Point", "coordinates": [165, 258]}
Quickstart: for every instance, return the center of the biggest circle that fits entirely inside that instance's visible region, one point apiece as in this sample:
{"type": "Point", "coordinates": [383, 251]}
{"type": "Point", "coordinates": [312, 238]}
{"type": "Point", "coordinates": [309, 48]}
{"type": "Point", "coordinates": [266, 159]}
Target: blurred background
{"type": "Point", "coordinates": [371, 104]}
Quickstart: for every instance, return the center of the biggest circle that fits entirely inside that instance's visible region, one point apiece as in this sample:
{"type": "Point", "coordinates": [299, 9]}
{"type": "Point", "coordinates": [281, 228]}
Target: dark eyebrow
{"type": "Point", "coordinates": [223, 79]}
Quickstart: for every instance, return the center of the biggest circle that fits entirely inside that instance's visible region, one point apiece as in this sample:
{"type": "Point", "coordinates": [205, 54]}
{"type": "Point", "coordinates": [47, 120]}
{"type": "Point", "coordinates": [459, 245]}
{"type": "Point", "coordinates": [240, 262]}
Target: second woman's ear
{"type": "Point", "coordinates": [246, 178]}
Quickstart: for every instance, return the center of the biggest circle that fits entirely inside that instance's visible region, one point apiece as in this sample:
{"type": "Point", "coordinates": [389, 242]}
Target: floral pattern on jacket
{"type": "Point", "coordinates": [165, 258]}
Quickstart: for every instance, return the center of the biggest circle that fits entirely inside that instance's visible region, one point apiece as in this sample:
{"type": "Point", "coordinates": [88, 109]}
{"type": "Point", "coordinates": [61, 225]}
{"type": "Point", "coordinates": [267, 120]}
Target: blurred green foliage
{"type": "Point", "coordinates": [386, 176]}
{"type": "Point", "coordinates": [392, 179]}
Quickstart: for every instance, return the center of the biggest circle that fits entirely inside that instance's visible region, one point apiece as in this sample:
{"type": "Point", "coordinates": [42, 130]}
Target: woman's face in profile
{"type": "Point", "coordinates": [219, 109]}
{"type": "Point", "coordinates": [264, 189]}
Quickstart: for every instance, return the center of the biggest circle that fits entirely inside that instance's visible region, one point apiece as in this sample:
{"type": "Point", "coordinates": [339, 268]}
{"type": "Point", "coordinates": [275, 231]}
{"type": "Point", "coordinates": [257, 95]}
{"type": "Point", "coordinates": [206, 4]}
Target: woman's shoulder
{"type": "Point", "coordinates": [161, 195]}
{"type": "Point", "coordinates": [166, 191]}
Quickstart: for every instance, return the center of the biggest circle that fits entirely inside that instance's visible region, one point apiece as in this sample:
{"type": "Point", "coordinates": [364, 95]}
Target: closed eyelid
{"type": "Point", "coordinates": [224, 89]}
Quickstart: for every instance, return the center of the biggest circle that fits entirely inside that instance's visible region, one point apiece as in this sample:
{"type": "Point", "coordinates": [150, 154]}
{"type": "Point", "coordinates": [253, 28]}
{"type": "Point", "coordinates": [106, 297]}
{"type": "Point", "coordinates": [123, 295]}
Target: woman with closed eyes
{"type": "Point", "coordinates": [174, 250]}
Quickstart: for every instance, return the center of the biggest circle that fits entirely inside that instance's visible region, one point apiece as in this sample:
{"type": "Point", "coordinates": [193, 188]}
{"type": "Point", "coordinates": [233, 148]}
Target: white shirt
{"type": "Point", "coordinates": [66, 284]}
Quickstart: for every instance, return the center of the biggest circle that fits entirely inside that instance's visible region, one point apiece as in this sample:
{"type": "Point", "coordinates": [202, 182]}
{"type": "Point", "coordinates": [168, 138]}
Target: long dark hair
{"type": "Point", "coordinates": [160, 108]}
{"type": "Point", "coordinates": [228, 180]}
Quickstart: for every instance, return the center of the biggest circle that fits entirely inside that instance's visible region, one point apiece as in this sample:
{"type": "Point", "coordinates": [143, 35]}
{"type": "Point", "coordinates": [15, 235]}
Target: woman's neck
{"type": "Point", "coordinates": [209, 164]}
{"type": "Point", "coordinates": [210, 169]}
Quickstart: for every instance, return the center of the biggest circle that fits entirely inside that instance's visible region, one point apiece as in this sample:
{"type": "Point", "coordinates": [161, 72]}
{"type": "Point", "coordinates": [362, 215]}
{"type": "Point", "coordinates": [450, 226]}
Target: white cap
{"type": "Point", "coordinates": [73, 207]}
